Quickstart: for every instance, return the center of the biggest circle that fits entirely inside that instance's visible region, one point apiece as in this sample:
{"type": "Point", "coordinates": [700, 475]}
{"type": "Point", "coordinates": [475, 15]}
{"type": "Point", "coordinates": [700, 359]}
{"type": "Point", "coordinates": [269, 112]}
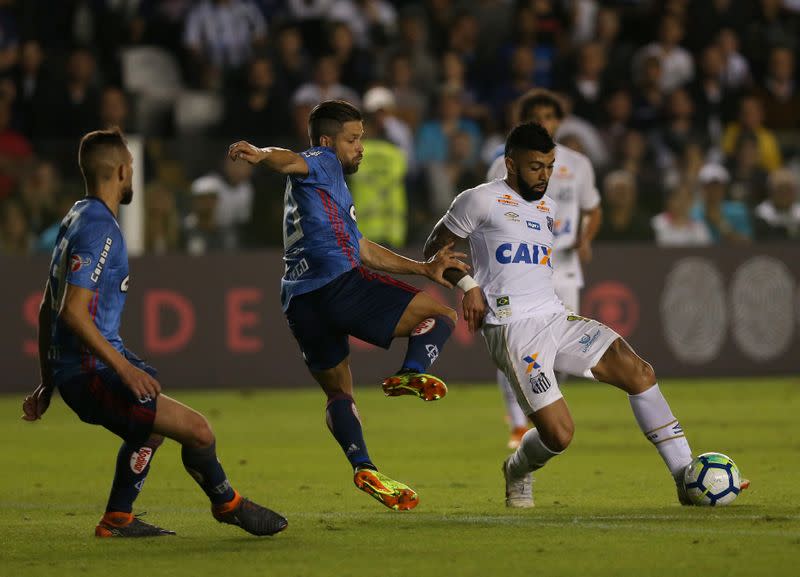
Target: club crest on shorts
{"type": "Point", "coordinates": [540, 383]}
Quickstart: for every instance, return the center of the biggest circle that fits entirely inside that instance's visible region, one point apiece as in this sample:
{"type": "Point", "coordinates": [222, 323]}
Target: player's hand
{"type": "Point", "coordinates": [585, 252]}
{"type": "Point", "coordinates": [245, 151]}
{"type": "Point", "coordinates": [35, 404]}
{"type": "Point", "coordinates": [474, 307]}
{"type": "Point", "coordinates": [444, 259]}
{"type": "Point", "coordinates": [141, 384]}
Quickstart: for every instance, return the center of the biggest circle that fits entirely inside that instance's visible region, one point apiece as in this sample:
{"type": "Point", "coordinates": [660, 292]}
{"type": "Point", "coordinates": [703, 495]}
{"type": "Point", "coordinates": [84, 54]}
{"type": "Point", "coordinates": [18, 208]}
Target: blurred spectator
{"type": "Point", "coordinates": [31, 87]}
{"type": "Point", "coordinates": [676, 62]}
{"type": "Point", "coordinates": [618, 111]}
{"type": "Point", "coordinates": [201, 234]}
{"type": "Point", "coordinates": [46, 241]}
{"type": "Point", "coordinates": [355, 62]}
{"type": "Point", "coordinates": [675, 226]}
{"type": "Point", "coordinates": [463, 40]}
{"type": "Point", "coordinates": [379, 103]}
{"type": "Point", "coordinates": [585, 132]}
{"type": "Point", "coordinates": [39, 191]}
{"type": "Point", "coordinates": [519, 80]}
{"type": "Point", "coordinates": [326, 86]}
{"type": "Point", "coordinates": [15, 151]}
{"type": "Point", "coordinates": [458, 172]}
{"type": "Point", "coordinates": [622, 220]}
{"type": "Point", "coordinates": [433, 138]}
{"type": "Point", "coordinates": [372, 22]}
{"type": "Point", "coordinates": [587, 87]}
{"type": "Point", "coordinates": [413, 44]}
{"type": "Point", "coordinates": [779, 92]}
{"type": "Point", "coordinates": [454, 77]}
{"type": "Point", "coordinates": [748, 178]}
{"type": "Point", "coordinates": [619, 50]}
{"type": "Point", "coordinates": [778, 217]}
{"type": "Point", "coordinates": [258, 112]}
{"type": "Point", "coordinates": [708, 17]}
{"type": "Point", "coordinates": [648, 97]}
{"type": "Point", "coordinates": [673, 136]}
{"type": "Point", "coordinates": [15, 236]}
{"type": "Point", "coordinates": [9, 37]}
{"type": "Point", "coordinates": [715, 104]}
{"type": "Point", "coordinates": [234, 192]}
{"type": "Point", "coordinates": [378, 187]}
{"type": "Point", "coordinates": [162, 223]}
{"type": "Point", "coordinates": [772, 26]}
{"type": "Point", "coordinates": [727, 220]}
{"type": "Point", "coordinates": [410, 100]}
{"type": "Point", "coordinates": [114, 110]}
{"type": "Point", "coordinates": [751, 122]}
{"type": "Point", "coordinates": [735, 69]}
{"type": "Point", "coordinates": [292, 64]}
{"type": "Point", "coordinates": [70, 110]}
{"type": "Point", "coordinates": [220, 36]}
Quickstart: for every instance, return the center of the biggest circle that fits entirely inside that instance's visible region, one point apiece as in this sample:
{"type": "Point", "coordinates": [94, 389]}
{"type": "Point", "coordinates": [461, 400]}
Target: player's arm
{"type": "Point", "coordinates": [38, 401]}
{"type": "Point", "coordinates": [381, 258]}
{"type": "Point", "coordinates": [473, 303]}
{"type": "Point", "coordinates": [75, 314]}
{"type": "Point", "coordinates": [277, 159]}
{"type": "Point", "coordinates": [590, 225]}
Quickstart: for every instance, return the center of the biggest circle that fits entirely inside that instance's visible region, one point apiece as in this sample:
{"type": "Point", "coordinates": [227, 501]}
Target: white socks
{"type": "Point", "coordinates": [661, 428]}
{"type": "Point", "coordinates": [531, 454]}
{"type": "Point", "coordinates": [514, 412]}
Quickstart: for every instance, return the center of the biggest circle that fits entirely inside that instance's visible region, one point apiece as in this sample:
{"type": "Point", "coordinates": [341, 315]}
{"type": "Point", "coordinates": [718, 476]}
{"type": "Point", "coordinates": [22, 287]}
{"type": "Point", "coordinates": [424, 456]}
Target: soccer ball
{"type": "Point", "coordinates": [712, 479]}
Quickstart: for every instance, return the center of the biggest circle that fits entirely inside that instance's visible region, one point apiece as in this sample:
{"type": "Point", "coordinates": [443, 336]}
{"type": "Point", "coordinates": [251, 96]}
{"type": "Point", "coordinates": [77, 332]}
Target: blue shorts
{"type": "Point", "coordinates": [100, 398]}
{"type": "Point", "coordinates": [360, 303]}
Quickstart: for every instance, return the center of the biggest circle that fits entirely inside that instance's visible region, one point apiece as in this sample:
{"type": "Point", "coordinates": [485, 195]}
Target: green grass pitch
{"type": "Point", "coordinates": [606, 507]}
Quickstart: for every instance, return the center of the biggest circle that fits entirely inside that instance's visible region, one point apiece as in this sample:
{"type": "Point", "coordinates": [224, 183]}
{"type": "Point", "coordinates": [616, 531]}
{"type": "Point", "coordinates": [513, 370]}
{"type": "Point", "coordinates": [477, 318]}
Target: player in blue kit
{"type": "Point", "coordinates": [82, 354]}
{"type": "Point", "coordinates": [328, 293]}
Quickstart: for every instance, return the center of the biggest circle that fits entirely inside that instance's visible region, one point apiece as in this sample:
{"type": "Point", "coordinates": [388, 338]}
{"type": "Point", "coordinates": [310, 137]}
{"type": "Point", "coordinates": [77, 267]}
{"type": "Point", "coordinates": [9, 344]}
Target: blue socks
{"type": "Point", "coordinates": [426, 342]}
{"type": "Point", "coordinates": [342, 418]}
{"type": "Point", "coordinates": [133, 464]}
{"type": "Point", "coordinates": [204, 467]}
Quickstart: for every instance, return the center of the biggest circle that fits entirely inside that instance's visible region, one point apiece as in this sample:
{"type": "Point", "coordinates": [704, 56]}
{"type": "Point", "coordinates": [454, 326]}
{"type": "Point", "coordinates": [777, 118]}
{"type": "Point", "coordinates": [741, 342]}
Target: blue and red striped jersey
{"type": "Point", "coordinates": [90, 253]}
{"type": "Point", "coordinates": [320, 235]}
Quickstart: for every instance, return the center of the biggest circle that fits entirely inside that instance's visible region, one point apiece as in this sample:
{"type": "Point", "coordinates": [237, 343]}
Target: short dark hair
{"type": "Point", "coordinates": [94, 151]}
{"type": "Point", "coordinates": [539, 97]}
{"type": "Point", "coordinates": [529, 136]}
{"type": "Point", "coordinates": [328, 117]}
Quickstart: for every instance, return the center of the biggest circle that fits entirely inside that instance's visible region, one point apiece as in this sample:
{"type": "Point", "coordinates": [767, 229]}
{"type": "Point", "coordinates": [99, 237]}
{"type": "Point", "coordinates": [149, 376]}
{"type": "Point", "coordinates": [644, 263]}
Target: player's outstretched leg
{"type": "Point", "coordinates": [623, 368]}
{"type": "Point", "coordinates": [427, 324]}
{"type": "Point", "coordinates": [199, 456]}
{"type": "Point", "coordinates": [551, 437]}
{"type": "Point", "coordinates": [344, 423]}
{"type": "Point", "coordinates": [517, 420]}
{"type": "Point", "coordinates": [133, 464]}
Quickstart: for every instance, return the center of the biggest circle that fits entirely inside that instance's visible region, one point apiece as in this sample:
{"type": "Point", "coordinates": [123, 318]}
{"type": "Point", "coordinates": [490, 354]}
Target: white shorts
{"type": "Point", "coordinates": [569, 293]}
{"type": "Point", "coordinates": [529, 351]}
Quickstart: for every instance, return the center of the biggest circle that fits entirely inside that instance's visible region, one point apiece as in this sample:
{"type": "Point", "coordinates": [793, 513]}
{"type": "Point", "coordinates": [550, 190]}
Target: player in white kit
{"type": "Point", "coordinates": [572, 186]}
{"type": "Point", "coordinates": [509, 223]}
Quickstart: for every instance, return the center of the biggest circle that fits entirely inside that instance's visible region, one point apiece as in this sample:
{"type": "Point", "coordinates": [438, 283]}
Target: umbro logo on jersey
{"type": "Point", "coordinates": [512, 216]}
{"type": "Point", "coordinates": [533, 225]}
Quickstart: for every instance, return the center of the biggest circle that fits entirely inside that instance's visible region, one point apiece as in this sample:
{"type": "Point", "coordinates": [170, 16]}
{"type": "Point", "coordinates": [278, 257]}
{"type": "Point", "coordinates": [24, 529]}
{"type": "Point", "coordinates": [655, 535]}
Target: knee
{"type": "Point", "coordinates": [559, 437]}
{"type": "Point", "coordinates": [642, 378]}
{"type": "Point", "coordinates": [451, 314]}
{"type": "Point", "coordinates": [201, 434]}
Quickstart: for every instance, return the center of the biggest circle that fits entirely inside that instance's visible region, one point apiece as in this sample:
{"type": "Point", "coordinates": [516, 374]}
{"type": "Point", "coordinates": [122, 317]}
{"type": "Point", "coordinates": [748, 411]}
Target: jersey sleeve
{"type": "Point", "coordinates": [467, 212]}
{"type": "Point", "coordinates": [323, 168]}
{"type": "Point", "coordinates": [589, 197]}
{"type": "Point", "coordinates": [91, 252]}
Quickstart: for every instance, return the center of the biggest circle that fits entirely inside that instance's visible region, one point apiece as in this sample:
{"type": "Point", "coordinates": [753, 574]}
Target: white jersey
{"type": "Point", "coordinates": [511, 241]}
{"type": "Point", "coordinates": [573, 187]}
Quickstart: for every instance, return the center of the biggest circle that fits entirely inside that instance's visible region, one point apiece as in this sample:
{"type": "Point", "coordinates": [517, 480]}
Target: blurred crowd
{"type": "Point", "coordinates": [688, 109]}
